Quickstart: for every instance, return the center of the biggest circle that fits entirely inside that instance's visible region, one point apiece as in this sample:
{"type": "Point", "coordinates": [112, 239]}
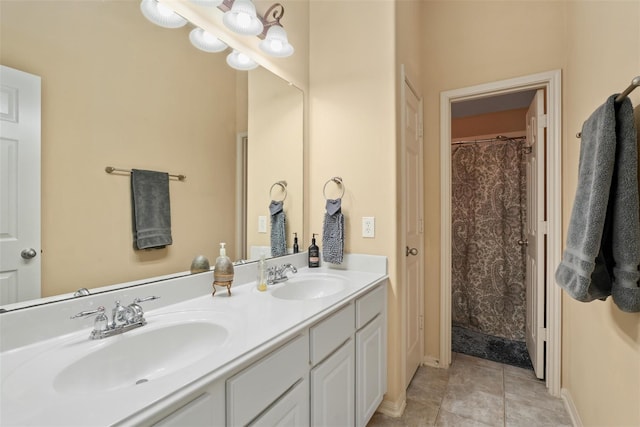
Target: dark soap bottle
{"type": "Point", "coordinates": [296, 248]}
{"type": "Point", "coordinates": [314, 253]}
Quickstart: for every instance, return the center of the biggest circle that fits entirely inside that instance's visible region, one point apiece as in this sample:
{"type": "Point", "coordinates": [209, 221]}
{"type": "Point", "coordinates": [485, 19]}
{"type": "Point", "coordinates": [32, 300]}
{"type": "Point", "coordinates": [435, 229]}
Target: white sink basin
{"type": "Point", "coordinates": [310, 287]}
{"type": "Point", "coordinates": [138, 357]}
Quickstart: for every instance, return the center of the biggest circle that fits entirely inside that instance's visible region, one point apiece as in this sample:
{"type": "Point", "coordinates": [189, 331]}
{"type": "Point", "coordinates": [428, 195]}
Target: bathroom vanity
{"type": "Point", "coordinates": [308, 351]}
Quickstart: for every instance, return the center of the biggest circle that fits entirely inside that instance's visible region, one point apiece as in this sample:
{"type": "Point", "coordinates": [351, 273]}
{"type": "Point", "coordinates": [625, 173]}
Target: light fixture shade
{"type": "Point", "coordinates": [208, 3]}
{"type": "Point", "coordinates": [161, 15]}
{"type": "Point", "coordinates": [240, 61]}
{"type": "Point", "coordinates": [242, 18]}
{"type": "Point", "coordinates": [276, 42]}
{"type": "Point", "coordinates": [206, 41]}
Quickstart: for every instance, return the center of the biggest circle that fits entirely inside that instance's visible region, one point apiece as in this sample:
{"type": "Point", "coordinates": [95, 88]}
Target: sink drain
{"type": "Point", "coordinates": [142, 381]}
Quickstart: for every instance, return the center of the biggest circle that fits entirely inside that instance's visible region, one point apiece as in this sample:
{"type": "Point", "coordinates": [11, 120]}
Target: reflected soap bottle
{"type": "Point", "coordinates": [261, 280]}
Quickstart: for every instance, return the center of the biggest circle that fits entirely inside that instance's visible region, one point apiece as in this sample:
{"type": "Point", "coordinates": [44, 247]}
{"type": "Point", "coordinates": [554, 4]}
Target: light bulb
{"type": "Point", "coordinates": [244, 20]}
{"type": "Point", "coordinates": [164, 10]}
{"type": "Point", "coordinates": [243, 59]}
{"type": "Point", "coordinates": [208, 37]}
{"type": "Point", "coordinates": [276, 45]}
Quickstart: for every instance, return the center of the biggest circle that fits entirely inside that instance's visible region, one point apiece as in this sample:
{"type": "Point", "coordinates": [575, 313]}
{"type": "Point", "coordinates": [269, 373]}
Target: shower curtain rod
{"type": "Point", "coordinates": [497, 138]}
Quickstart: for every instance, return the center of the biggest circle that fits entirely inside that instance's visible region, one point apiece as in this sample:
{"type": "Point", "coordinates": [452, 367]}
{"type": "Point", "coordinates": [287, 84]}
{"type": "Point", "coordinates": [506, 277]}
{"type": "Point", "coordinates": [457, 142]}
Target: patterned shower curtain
{"type": "Point", "coordinates": [488, 264]}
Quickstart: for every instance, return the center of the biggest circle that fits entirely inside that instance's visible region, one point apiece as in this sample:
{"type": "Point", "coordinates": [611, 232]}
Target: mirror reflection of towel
{"type": "Point", "coordinates": [151, 209]}
{"type": "Point", "coordinates": [278, 228]}
{"type": "Point", "coordinates": [333, 232]}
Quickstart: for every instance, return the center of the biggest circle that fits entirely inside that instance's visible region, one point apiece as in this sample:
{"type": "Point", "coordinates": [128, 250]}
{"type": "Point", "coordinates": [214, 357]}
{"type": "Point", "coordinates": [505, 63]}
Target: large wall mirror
{"type": "Point", "coordinates": [119, 91]}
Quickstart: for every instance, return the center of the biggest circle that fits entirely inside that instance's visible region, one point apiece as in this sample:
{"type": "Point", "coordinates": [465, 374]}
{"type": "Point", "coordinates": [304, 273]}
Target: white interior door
{"type": "Point", "coordinates": [19, 186]}
{"type": "Point", "coordinates": [413, 211]}
{"type": "Point", "coordinates": [535, 233]}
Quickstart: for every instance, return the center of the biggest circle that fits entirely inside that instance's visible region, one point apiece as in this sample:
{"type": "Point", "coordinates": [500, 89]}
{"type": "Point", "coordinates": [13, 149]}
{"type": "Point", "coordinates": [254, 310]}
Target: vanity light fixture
{"type": "Point", "coordinates": [241, 61]}
{"type": "Point", "coordinates": [161, 15]}
{"type": "Point", "coordinates": [243, 19]}
{"type": "Point", "coordinates": [276, 42]}
{"type": "Point", "coordinates": [206, 41]}
{"type": "Point", "coordinates": [274, 37]}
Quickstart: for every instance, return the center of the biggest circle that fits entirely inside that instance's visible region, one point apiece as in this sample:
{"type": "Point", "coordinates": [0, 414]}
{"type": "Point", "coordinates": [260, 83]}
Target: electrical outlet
{"type": "Point", "coordinates": [368, 226]}
{"type": "Point", "coordinates": [262, 224]}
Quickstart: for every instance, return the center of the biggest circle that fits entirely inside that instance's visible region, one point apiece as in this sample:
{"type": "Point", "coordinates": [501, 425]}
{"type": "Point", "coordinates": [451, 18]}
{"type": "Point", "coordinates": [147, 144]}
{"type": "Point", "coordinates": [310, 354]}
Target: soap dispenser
{"type": "Point", "coordinates": [223, 271]}
{"type": "Point", "coordinates": [261, 280]}
{"type": "Point", "coordinates": [296, 248]}
{"type": "Point", "coordinates": [314, 253]}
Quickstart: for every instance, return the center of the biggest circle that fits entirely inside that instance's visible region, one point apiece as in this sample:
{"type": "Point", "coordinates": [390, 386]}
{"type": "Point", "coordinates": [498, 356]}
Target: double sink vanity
{"type": "Point", "coordinates": [308, 351]}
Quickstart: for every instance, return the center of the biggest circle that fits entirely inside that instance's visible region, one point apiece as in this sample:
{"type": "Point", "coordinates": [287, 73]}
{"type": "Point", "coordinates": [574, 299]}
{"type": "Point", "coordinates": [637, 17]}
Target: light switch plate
{"type": "Point", "coordinates": [262, 224]}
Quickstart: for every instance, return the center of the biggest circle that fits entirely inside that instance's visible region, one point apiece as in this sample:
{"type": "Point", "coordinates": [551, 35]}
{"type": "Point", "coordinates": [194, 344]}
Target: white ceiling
{"type": "Point", "coordinates": [492, 104]}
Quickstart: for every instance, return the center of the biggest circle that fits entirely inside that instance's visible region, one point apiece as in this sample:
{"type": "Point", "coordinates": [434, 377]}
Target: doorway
{"type": "Point", "coordinates": [550, 83]}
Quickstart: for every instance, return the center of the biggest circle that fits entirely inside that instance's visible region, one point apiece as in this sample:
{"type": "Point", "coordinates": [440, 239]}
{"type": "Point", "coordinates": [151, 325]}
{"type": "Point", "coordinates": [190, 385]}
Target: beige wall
{"type": "Point", "coordinates": [274, 154]}
{"type": "Point", "coordinates": [601, 344]}
{"type": "Point", "coordinates": [147, 110]}
{"type": "Point", "coordinates": [467, 43]}
{"type": "Point", "coordinates": [352, 131]}
{"type": "Point", "coordinates": [489, 124]}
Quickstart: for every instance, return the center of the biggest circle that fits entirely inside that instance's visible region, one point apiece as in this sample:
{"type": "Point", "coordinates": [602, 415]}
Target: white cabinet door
{"type": "Point", "coordinates": [291, 410]}
{"type": "Point", "coordinates": [371, 372]}
{"type": "Point", "coordinates": [333, 389]}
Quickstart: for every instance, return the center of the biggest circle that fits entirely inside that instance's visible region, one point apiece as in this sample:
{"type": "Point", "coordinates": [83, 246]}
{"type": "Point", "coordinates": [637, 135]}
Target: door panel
{"type": "Point", "coordinates": [19, 186]}
{"type": "Point", "coordinates": [413, 211]}
{"type": "Point", "coordinates": [535, 234]}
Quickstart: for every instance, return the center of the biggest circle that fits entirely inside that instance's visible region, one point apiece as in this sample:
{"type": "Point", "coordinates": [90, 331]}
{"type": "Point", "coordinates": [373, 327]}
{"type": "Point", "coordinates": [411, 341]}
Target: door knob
{"type": "Point", "coordinates": [523, 242]}
{"type": "Point", "coordinates": [28, 253]}
{"type": "Point", "coordinates": [412, 251]}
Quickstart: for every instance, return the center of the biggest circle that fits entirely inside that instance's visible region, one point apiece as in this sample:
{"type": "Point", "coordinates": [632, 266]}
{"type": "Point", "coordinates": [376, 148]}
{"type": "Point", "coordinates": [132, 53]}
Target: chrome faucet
{"type": "Point", "coordinates": [123, 319]}
{"type": "Point", "coordinates": [277, 274]}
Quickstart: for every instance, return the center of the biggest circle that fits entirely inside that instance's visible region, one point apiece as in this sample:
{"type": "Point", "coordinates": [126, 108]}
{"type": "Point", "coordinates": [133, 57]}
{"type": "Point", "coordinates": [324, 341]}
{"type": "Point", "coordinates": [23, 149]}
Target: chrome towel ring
{"type": "Point", "coordinates": [338, 181]}
{"type": "Point", "coordinates": [283, 185]}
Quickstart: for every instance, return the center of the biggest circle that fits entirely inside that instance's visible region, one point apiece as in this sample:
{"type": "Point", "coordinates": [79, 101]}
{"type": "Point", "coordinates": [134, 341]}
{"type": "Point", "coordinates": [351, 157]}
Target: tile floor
{"type": "Point", "coordinates": [477, 392]}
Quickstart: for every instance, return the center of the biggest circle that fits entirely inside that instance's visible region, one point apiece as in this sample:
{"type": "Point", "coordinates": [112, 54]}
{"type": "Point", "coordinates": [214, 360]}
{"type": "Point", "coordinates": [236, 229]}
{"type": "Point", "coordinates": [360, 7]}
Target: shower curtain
{"type": "Point", "coordinates": [488, 218]}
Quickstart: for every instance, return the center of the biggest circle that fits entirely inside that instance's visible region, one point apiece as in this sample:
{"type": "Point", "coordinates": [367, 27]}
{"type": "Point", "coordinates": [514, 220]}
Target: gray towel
{"type": "Point", "coordinates": [603, 250]}
{"type": "Point", "coordinates": [151, 209]}
{"type": "Point", "coordinates": [333, 232]}
{"type": "Point", "coordinates": [278, 228]}
{"type": "Point", "coordinates": [625, 213]}
{"type": "Point", "coordinates": [584, 271]}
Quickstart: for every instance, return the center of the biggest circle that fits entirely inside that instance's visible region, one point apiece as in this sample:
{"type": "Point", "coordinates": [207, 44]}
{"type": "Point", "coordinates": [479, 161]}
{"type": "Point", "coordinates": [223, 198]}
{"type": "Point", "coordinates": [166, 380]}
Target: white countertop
{"type": "Point", "coordinates": [256, 321]}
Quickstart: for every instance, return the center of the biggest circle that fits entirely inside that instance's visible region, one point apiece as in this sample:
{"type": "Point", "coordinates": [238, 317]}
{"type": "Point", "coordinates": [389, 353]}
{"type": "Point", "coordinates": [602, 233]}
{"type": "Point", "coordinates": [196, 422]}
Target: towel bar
{"type": "Point", "coordinates": [282, 184]}
{"type": "Point", "coordinates": [111, 169]}
{"type": "Point", "coordinates": [634, 84]}
{"type": "Point", "coordinates": [338, 181]}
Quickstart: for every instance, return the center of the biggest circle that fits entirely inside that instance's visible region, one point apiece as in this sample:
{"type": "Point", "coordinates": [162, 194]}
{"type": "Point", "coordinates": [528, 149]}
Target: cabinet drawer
{"type": "Point", "coordinates": [369, 305]}
{"type": "Point", "coordinates": [327, 335]}
{"type": "Point", "coordinates": [255, 388]}
{"type": "Point", "coordinates": [292, 409]}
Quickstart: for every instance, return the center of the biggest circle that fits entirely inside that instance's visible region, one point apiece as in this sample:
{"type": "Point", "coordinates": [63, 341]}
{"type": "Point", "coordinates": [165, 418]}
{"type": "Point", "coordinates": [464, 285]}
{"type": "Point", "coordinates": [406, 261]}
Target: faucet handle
{"type": "Point", "coordinates": [99, 311]}
{"type": "Point", "coordinates": [145, 299]}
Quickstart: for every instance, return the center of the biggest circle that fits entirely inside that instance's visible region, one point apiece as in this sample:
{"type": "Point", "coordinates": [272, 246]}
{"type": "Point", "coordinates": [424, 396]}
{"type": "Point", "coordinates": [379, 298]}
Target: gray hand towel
{"type": "Point", "coordinates": [333, 232]}
{"type": "Point", "coordinates": [584, 270]}
{"type": "Point", "coordinates": [278, 228]}
{"type": "Point", "coordinates": [625, 213]}
{"type": "Point", "coordinates": [151, 209]}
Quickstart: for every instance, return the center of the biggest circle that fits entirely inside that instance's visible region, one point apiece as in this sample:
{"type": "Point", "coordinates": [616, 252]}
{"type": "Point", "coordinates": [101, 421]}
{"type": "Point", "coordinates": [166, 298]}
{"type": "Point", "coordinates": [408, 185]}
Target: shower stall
{"type": "Point", "coordinates": [488, 255]}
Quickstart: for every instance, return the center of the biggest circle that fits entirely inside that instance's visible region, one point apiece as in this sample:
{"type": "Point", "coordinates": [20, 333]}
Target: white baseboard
{"type": "Point", "coordinates": [571, 408]}
{"type": "Point", "coordinates": [393, 408]}
{"type": "Point", "coordinates": [431, 361]}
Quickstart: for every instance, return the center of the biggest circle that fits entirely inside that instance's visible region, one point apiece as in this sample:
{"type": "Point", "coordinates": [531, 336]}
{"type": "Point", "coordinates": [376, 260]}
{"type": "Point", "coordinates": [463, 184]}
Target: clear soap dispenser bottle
{"type": "Point", "coordinates": [262, 274]}
{"type": "Point", "coordinates": [223, 271]}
